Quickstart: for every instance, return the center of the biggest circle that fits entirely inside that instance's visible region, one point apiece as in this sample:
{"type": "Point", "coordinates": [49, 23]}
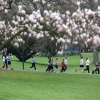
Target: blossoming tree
{"type": "Point", "coordinates": [79, 27]}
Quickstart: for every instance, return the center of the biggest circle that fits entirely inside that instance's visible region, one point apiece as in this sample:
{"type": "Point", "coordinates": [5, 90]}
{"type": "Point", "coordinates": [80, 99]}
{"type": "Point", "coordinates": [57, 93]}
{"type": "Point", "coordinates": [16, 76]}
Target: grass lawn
{"type": "Point", "coordinates": [18, 85]}
{"type": "Point", "coordinates": [31, 85]}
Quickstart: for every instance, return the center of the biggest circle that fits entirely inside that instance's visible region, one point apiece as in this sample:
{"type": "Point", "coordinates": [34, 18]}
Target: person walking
{"type": "Point", "coordinates": [87, 65]}
{"type": "Point", "coordinates": [33, 63]}
{"type": "Point", "coordinates": [81, 64]}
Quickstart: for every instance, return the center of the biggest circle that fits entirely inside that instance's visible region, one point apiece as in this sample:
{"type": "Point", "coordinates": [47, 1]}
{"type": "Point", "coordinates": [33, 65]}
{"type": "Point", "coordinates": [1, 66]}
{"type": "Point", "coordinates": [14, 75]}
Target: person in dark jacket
{"type": "Point", "coordinates": [96, 69]}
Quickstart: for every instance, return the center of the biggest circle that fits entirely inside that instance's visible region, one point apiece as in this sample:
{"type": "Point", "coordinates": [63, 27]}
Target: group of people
{"type": "Point", "coordinates": [6, 59]}
{"type": "Point", "coordinates": [53, 65]}
{"type": "Point", "coordinates": [96, 68]}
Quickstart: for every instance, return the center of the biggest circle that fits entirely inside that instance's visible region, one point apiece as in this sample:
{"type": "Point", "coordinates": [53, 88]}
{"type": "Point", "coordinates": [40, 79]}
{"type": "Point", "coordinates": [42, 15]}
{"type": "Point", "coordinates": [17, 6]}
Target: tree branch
{"type": "Point", "coordinates": [9, 41]}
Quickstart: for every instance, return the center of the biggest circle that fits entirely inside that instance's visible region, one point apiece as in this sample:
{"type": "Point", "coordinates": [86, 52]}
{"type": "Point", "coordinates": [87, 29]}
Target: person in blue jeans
{"type": "Point", "coordinates": [33, 63]}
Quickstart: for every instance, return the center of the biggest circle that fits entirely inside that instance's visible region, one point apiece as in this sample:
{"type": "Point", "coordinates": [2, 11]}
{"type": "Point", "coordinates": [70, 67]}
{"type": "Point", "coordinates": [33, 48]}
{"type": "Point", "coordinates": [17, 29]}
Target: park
{"type": "Point", "coordinates": [34, 33]}
{"type": "Point", "coordinates": [19, 84]}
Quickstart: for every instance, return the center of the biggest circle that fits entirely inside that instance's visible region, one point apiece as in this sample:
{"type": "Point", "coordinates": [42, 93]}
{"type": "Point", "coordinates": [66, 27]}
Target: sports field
{"type": "Point", "coordinates": [30, 85]}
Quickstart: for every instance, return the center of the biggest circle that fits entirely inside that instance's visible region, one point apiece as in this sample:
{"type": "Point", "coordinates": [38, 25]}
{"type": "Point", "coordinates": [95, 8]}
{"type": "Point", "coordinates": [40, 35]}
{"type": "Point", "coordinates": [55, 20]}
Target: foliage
{"type": "Point", "coordinates": [25, 51]}
{"type": "Point", "coordinates": [42, 19]}
{"type": "Point", "coordinates": [76, 27]}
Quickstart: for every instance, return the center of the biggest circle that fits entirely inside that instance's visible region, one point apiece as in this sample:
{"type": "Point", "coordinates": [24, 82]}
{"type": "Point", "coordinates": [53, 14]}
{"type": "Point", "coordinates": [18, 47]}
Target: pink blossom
{"type": "Point", "coordinates": [16, 44]}
{"type": "Point", "coordinates": [61, 40]}
{"type": "Point", "coordinates": [78, 3]}
{"type": "Point", "coordinates": [98, 8]}
{"type": "Point", "coordinates": [2, 24]}
{"type": "Point", "coordinates": [60, 53]}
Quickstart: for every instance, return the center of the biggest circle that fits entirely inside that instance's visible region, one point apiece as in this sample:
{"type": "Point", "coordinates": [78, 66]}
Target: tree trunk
{"type": "Point", "coordinates": [95, 56]}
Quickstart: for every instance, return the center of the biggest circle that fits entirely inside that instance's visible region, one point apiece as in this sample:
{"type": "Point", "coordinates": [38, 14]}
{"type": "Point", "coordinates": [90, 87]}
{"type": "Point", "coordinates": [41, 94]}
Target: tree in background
{"type": "Point", "coordinates": [77, 27]}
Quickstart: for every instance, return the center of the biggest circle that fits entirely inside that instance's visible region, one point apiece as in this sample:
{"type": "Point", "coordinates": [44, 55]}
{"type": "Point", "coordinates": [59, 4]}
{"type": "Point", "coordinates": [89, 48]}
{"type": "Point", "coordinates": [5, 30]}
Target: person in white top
{"type": "Point", "coordinates": [4, 61]}
{"type": "Point", "coordinates": [87, 65]}
{"type": "Point", "coordinates": [81, 64]}
{"type": "Point", "coordinates": [65, 63]}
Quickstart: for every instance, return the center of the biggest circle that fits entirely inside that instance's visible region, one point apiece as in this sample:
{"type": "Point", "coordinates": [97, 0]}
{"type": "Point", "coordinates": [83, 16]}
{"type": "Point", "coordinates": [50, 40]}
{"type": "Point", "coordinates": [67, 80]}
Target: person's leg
{"type": "Point", "coordinates": [47, 68]}
{"type": "Point", "coordinates": [84, 69]}
{"type": "Point", "coordinates": [55, 69]}
{"type": "Point", "coordinates": [77, 68]}
{"type": "Point", "coordinates": [88, 69]}
{"type": "Point", "coordinates": [65, 68]}
{"type": "Point", "coordinates": [3, 64]}
{"type": "Point", "coordinates": [61, 70]}
{"type": "Point", "coordinates": [10, 65]}
{"type": "Point", "coordinates": [52, 68]}
{"type": "Point", "coordinates": [6, 64]}
{"type": "Point", "coordinates": [34, 66]}
{"type": "Point", "coordinates": [97, 70]}
{"type": "Point", "coordinates": [31, 66]}
{"type": "Point", "coordinates": [93, 71]}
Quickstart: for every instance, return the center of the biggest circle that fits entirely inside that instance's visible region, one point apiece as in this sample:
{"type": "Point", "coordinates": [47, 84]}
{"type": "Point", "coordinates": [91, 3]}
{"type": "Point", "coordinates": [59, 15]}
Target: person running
{"type": "Point", "coordinates": [62, 66]}
{"type": "Point", "coordinates": [56, 65]}
{"type": "Point", "coordinates": [65, 63]}
{"type": "Point", "coordinates": [87, 66]}
{"type": "Point", "coordinates": [48, 68]}
{"type": "Point", "coordinates": [51, 64]}
{"type": "Point", "coordinates": [81, 64]}
{"type": "Point", "coordinates": [33, 63]}
{"type": "Point", "coordinates": [96, 69]}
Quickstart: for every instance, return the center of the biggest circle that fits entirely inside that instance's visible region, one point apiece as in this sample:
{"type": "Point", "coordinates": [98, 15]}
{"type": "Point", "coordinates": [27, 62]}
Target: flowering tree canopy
{"type": "Point", "coordinates": [81, 26]}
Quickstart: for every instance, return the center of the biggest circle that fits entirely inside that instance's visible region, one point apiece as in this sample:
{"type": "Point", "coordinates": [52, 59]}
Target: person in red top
{"type": "Point", "coordinates": [62, 65]}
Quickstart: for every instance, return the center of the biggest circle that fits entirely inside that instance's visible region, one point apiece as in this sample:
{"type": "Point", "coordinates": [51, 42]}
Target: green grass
{"type": "Point", "coordinates": [30, 85]}
{"type": "Point", "coordinates": [18, 85]}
